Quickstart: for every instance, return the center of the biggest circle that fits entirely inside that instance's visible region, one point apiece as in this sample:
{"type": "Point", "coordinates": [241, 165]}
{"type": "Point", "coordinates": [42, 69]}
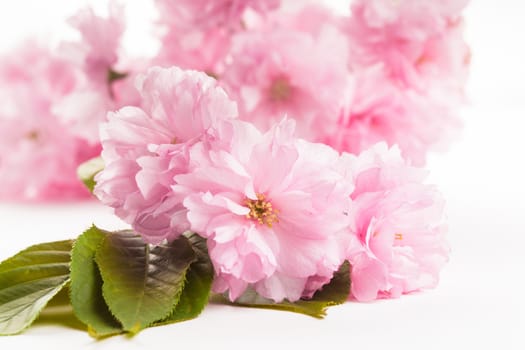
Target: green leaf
{"type": "Point", "coordinates": [334, 293]}
{"type": "Point", "coordinates": [196, 292]}
{"type": "Point", "coordinates": [86, 286]}
{"type": "Point", "coordinates": [142, 284]}
{"type": "Point", "coordinates": [29, 280]}
{"type": "Point", "coordinates": [88, 170]}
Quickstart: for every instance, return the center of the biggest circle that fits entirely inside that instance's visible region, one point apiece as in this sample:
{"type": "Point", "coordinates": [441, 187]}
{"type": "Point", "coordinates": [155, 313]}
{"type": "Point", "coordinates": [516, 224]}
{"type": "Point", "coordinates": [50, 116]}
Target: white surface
{"type": "Point", "coordinates": [480, 302]}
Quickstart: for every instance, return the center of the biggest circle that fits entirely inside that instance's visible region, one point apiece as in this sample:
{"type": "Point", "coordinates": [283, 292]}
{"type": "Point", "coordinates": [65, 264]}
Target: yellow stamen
{"type": "Point", "coordinates": [398, 236]}
{"type": "Point", "coordinates": [280, 90]}
{"type": "Point", "coordinates": [262, 211]}
{"type": "Point", "coordinates": [33, 135]}
{"type": "Point", "coordinates": [212, 75]}
{"type": "Point", "coordinates": [421, 60]}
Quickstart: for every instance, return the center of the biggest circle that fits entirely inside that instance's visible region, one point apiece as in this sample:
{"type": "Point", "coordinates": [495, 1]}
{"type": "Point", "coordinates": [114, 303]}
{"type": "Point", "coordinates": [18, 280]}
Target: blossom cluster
{"type": "Point", "coordinates": [280, 214]}
{"type": "Point", "coordinates": [389, 71]}
{"type": "Point", "coordinates": [289, 136]}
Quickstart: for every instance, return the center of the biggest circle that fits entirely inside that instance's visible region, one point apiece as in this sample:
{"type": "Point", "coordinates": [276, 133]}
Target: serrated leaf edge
{"type": "Point", "coordinates": [91, 331]}
{"type": "Point", "coordinates": [138, 327]}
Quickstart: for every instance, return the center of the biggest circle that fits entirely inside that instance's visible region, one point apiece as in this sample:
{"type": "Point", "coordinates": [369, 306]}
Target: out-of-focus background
{"type": "Point", "coordinates": [480, 301]}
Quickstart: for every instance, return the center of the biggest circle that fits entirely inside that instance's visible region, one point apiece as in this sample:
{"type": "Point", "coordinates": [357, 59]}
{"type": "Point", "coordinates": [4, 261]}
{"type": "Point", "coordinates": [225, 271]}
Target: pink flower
{"type": "Point", "coordinates": [204, 51]}
{"type": "Point", "coordinates": [381, 110]}
{"type": "Point", "coordinates": [410, 64]}
{"type": "Point", "coordinates": [145, 148]}
{"type": "Point", "coordinates": [411, 20]}
{"type": "Point", "coordinates": [98, 50]}
{"type": "Point", "coordinates": [405, 36]}
{"type": "Point", "coordinates": [204, 14]}
{"type": "Point", "coordinates": [101, 70]}
{"type": "Point", "coordinates": [273, 208]}
{"type": "Point", "coordinates": [400, 245]}
{"type": "Point", "coordinates": [39, 155]}
{"type": "Point", "coordinates": [197, 34]}
{"type": "Point", "coordinates": [278, 70]}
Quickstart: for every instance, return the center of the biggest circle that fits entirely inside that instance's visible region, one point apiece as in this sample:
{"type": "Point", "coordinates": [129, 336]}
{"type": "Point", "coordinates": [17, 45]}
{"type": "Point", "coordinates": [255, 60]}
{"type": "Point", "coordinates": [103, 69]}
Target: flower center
{"type": "Point", "coordinates": [280, 90]}
{"type": "Point", "coordinates": [262, 211]}
{"type": "Point", "coordinates": [33, 135]}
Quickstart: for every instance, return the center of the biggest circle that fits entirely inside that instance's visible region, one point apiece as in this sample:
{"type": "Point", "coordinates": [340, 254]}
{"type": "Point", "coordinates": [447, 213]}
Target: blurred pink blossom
{"type": "Point", "coordinates": [410, 63]}
{"type": "Point", "coordinates": [278, 70]}
{"type": "Point", "coordinates": [105, 73]}
{"type": "Point", "coordinates": [204, 14]}
{"type": "Point", "coordinates": [197, 34]}
{"type": "Point", "coordinates": [381, 110]}
{"type": "Point", "coordinates": [39, 155]}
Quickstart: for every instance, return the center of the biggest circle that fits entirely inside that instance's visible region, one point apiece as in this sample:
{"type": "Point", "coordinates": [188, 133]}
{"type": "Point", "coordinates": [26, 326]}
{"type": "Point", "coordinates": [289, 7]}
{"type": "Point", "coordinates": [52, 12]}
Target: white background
{"type": "Point", "coordinates": [480, 301]}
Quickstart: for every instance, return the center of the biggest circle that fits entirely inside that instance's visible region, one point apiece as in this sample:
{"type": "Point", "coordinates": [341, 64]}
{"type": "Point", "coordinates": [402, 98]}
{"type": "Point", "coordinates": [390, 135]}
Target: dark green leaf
{"type": "Point", "coordinates": [86, 286]}
{"type": "Point", "coordinates": [334, 293]}
{"type": "Point", "coordinates": [29, 280]}
{"type": "Point", "coordinates": [142, 284]}
{"type": "Point", "coordinates": [199, 278]}
{"type": "Point", "coordinates": [88, 170]}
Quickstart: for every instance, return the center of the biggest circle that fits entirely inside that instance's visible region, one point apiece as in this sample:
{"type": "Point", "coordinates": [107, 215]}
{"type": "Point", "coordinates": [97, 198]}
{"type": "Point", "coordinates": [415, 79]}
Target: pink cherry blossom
{"type": "Point", "coordinates": [204, 14]}
{"type": "Point", "coordinates": [98, 50]}
{"type": "Point", "coordinates": [278, 70]}
{"type": "Point", "coordinates": [197, 34]}
{"type": "Point", "coordinates": [381, 110]}
{"type": "Point", "coordinates": [403, 35]}
{"type": "Point", "coordinates": [101, 65]}
{"type": "Point", "coordinates": [412, 20]}
{"type": "Point", "coordinates": [39, 155]}
{"type": "Point", "coordinates": [400, 245]}
{"type": "Point", "coordinates": [273, 208]}
{"type": "Point", "coordinates": [410, 64]}
{"type": "Point", "coordinates": [144, 148]}
{"type": "Point", "coordinates": [204, 51]}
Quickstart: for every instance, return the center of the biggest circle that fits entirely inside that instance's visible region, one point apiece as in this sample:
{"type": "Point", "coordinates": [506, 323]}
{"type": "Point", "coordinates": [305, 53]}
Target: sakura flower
{"type": "Point", "coordinates": [198, 34]}
{"type": "Point", "coordinates": [403, 35]}
{"type": "Point", "coordinates": [277, 70]}
{"type": "Point", "coordinates": [99, 62]}
{"type": "Point", "coordinates": [204, 51]}
{"type": "Point", "coordinates": [101, 36]}
{"type": "Point", "coordinates": [144, 148]}
{"type": "Point", "coordinates": [39, 155]}
{"type": "Point", "coordinates": [412, 20]}
{"type": "Point", "coordinates": [410, 62]}
{"type": "Point", "coordinates": [400, 244]}
{"type": "Point", "coordinates": [204, 14]}
{"type": "Point", "coordinates": [273, 208]}
{"type": "Point", "coordinates": [382, 111]}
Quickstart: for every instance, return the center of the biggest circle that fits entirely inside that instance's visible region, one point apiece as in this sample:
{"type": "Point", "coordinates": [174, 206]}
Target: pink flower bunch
{"type": "Point", "coordinates": [280, 214]}
{"type": "Point", "coordinates": [391, 71]}
{"type": "Point", "coordinates": [197, 34]}
{"type": "Point", "coordinates": [284, 134]}
{"type": "Point", "coordinates": [52, 101]}
{"type": "Point", "coordinates": [39, 154]}
{"type": "Point", "coordinates": [410, 64]}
